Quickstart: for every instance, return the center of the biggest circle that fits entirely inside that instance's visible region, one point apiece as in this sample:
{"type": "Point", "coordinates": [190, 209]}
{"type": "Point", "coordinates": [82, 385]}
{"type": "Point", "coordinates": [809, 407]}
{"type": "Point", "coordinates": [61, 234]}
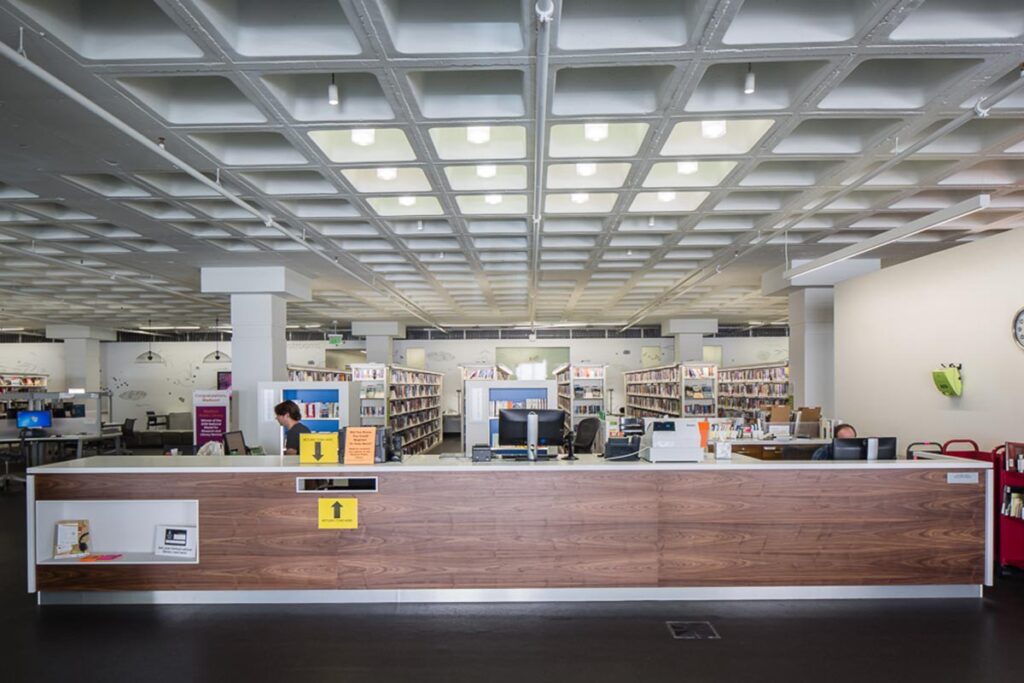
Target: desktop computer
{"type": "Point", "coordinates": [513, 430]}
{"type": "Point", "coordinates": [34, 421]}
{"type": "Point", "coordinates": [862, 448]}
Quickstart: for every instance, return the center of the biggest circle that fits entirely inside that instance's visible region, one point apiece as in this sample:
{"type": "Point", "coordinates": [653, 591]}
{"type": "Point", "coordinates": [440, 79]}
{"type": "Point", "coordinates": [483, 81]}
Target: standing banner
{"type": "Point", "coordinates": [209, 415]}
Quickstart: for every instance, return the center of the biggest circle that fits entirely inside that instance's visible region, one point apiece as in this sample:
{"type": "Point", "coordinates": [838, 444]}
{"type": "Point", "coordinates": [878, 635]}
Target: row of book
{"type": "Point", "coordinates": [412, 377]}
{"type": "Point", "coordinates": [670, 374]}
{"type": "Point", "coordinates": [1013, 502]}
{"type": "Point", "coordinates": [409, 405]}
{"type": "Point", "coordinates": [657, 390]}
{"type": "Point", "coordinates": [588, 410]}
{"type": "Point", "coordinates": [419, 439]}
{"type": "Point", "coordinates": [363, 374]}
{"type": "Point", "coordinates": [748, 389]}
{"type": "Point", "coordinates": [302, 375]}
{"type": "Point", "coordinates": [699, 409]}
{"type": "Point", "coordinates": [372, 410]}
{"type": "Point", "coordinates": [372, 392]}
{"type": "Point", "coordinates": [667, 406]}
{"type": "Point", "coordinates": [587, 392]}
{"type": "Point", "coordinates": [583, 372]}
{"type": "Point", "coordinates": [479, 373]}
{"type": "Point", "coordinates": [319, 410]}
{"type": "Point", "coordinates": [699, 393]}
{"type": "Point", "coordinates": [427, 416]}
{"type": "Point", "coordinates": [412, 390]}
{"type": "Point", "coordinates": [773, 374]}
{"type": "Point", "coordinates": [700, 372]}
{"type": "Point", "coordinates": [1014, 463]}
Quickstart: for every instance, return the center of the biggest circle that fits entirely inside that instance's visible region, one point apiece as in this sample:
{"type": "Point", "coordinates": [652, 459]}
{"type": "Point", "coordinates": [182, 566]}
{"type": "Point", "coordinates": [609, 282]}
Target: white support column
{"type": "Point", "coordinates": [689, 335]}
{"type": "Point", "coordinates": [81, 353]}
{"type": "Point", "coordinates": [379, 339]}
{"type": "Point", "coordinates": [811, 348]}
{"type": "Point", "coordinates": [259, 299]}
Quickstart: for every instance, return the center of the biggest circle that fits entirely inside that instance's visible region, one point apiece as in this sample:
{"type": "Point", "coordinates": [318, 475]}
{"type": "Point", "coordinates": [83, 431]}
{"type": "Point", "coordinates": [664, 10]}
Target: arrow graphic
{"type": "Point", "coordinates": [317, 454]}
{"type": "Point", "coordinates": [337, 510]}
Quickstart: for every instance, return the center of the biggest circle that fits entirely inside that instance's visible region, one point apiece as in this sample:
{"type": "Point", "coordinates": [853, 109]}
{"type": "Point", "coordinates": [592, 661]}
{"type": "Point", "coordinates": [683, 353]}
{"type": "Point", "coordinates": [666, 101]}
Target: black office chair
{"type": "Point", "coordinates": [586, 434]}
{"type": "Point", "coordinates": [13, 453]}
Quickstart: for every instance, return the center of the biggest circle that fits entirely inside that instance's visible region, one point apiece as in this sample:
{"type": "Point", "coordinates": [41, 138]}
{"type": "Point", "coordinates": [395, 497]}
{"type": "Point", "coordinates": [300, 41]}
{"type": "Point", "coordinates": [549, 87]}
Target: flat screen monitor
{"type": "Point", "coordinates": [512, 426]}
{"type": "Point", "coordinates": [234, 443]}
{"type": "Point", "coordinates": [223, 380]}
{"type": "Point", "coordinates": [857, 449]}
{"type": "Point", "coordinates": [34, 419]}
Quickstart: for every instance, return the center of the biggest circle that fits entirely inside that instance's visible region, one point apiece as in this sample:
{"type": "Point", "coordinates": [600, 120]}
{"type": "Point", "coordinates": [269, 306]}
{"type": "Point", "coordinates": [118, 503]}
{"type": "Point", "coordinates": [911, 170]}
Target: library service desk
{"type": "Point", "coordinates": [441, 528]}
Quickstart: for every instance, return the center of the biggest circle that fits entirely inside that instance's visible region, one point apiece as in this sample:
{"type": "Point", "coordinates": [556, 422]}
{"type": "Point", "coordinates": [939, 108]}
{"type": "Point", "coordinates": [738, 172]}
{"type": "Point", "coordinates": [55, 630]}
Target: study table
{"type": "Point", "coordinates": [35, 446]}
{"type": "Point", "coordinates": [441, 528]}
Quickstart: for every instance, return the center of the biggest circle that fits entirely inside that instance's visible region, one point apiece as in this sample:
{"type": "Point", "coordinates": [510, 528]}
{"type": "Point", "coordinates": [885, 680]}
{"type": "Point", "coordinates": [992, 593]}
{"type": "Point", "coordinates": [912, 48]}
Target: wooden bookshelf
{"type": "Point", "coordinates": [581, 390]}
{"type": "Point", "coordinates": [747, 390]}
{"type": "Point", "coordinates": [676, 390]}
{"type": "Point", "coordinates": [414, 407]}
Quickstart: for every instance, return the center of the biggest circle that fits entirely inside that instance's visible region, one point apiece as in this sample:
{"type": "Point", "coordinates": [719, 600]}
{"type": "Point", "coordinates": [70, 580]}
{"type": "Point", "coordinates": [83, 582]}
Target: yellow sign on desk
{"type": "Point", "coordinates": [338, 513]}
{"type": "Point", "coordinates": [318, 448]}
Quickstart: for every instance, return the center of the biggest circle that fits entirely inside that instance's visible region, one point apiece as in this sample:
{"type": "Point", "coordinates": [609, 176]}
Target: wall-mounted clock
{"type": "Point", "coordinates": [1018, 328]}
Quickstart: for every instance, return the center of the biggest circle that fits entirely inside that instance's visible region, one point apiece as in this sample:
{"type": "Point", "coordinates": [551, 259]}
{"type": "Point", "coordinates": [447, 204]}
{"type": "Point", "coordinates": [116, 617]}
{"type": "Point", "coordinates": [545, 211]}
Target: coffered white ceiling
{"type": "Point", "coordinates": [419, 182]}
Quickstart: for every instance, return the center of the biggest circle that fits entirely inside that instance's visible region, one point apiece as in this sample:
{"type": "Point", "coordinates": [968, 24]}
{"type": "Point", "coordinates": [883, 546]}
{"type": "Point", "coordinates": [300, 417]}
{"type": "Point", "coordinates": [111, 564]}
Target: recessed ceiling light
{"type": "Point", "coordinates": [712, 128]}
{"type": "Point", "coordinates": [387, 173]}
{"type": "Point", "coordinates": [364, 137]}
{"type": "Point", "coordinates": [478, 135]}
{"type": "Point", "coordinates": [492, 199]}
{"type": "Point", "coordinates": [419, 224]}
{"type": "Point", "coordinates": [748, 81]}
{"type": "Point", "coordinates": [687, 167]}
{"type": "Point", "coordinates": [487, 170]}
{"type": "Point", "coordinates": [595, 132]}
{"type": "Point", "coordinates": [579, 197]}
{"type": "Point", "coordinates": [406, 200]}
{"type": "Point", "coordinates": [650, 221]}
{"type": "Point", "coordinates": [332, 93]}
{"type": "Point", "coordinates": [586, 169]}
{"type": "Point", "coordinates": [666, 196]}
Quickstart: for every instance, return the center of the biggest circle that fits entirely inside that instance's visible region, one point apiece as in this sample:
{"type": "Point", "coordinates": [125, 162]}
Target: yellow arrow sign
{"type": "Point", "coordinates": [338, 513]}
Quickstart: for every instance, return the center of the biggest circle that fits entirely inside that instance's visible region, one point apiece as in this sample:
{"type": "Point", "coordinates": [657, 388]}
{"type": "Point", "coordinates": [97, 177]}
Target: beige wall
{"type": "Point", "coordinates": [894, 326]}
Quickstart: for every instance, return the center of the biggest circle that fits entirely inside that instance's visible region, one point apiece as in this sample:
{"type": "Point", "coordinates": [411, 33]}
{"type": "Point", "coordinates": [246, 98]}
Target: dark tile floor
{"type": "Point", "coordinates": [838, 641]}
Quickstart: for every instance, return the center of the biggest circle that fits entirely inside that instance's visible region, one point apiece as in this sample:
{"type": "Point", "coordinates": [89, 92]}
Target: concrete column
{"type": "Point", "coordinates": [689, 335]}
{"type": "Point", "coordinates": [380, 336]}
{"type": "Point", "coordinates": [811, 349]}
{"type": "Point", "coordinates": [259, 297]}
{"type": "Point", "coordinates": [81, 353]}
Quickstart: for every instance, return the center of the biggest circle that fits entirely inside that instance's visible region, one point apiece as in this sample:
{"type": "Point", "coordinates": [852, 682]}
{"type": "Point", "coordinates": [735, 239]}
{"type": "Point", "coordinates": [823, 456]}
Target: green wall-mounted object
{"type": "Point", "coordinates": [948, 380]}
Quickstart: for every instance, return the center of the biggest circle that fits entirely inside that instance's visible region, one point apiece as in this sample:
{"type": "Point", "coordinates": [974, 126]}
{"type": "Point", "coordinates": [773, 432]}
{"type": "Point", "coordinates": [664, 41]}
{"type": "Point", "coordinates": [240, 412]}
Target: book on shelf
{"type": "Point", "coordinates": [368, 373]}
{"type": "Point", "coordinates": [527, 403]}
{"type": "Point", "coordinates": [585, 372]}
{"type": "Point", "coordinates": [1013, 502]}
{"type": "Point", "coordinates": [319, 410]}
{"type": "Point", "coordinates": [414, 377]}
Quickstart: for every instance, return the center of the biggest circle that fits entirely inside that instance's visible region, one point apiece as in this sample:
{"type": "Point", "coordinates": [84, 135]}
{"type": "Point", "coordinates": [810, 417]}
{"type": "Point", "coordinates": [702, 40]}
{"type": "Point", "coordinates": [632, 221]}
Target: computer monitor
{"type": "Point", "coordinates": [34, 419]}
{"type": "Point", "coordinates": [857, 449]}
{"type": "Point", "coordinates": [234, 443]}
{"type": "Point", "coordinates": [512, 426]}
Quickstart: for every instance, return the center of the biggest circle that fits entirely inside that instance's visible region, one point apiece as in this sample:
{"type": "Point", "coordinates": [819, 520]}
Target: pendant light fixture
{"type": "Point", "coordinates": [332, 93]}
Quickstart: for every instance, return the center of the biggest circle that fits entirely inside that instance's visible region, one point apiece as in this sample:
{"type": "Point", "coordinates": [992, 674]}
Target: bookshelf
{"type": "Point", "coordinates": [301, 373]}
{"type": "Point", "coordinates": [1010, 533]}
{"type": "Point", "coordinates": [371, 378]}
{"type": "Point", "coordinates": [676, 390]}
{"type": "Point", "coordinates": [22, 381]}
{"type": "Point", "coordinates": [581, 390]}
{"type": "Point", "coordinates": [744, 391]}
{"type": "Point", "coordinates": [414, 407]}
{"type": "Point", "coordinates": [485, 371]}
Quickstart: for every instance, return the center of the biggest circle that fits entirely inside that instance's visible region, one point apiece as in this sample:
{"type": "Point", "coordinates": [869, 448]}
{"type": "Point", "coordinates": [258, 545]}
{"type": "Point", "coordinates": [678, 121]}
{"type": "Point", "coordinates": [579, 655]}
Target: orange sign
{"type": "Point", "coordinates": [360, 443]}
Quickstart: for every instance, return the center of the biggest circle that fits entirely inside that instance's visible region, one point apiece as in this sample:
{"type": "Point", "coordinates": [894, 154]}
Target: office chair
{"type": "Point", "coordinates": [586, 434]}
{"type": "Point", "coordinates": [12, 454]}
{"type": "Point", "coordinates": [234, 444]}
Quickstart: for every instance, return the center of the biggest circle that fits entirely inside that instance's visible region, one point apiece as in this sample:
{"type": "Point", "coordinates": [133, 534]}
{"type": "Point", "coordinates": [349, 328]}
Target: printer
{"type": "Point", "coordinates": [676, 440]}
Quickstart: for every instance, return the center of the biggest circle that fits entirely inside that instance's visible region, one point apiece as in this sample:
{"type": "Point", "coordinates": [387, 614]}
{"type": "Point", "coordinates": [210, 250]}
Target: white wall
{"type": "Point", "coordinates": [45, 359]}
{"type": "Point", "coordinates": [751, 350]}
{"type": "Point", "coordinates": [895, 326]}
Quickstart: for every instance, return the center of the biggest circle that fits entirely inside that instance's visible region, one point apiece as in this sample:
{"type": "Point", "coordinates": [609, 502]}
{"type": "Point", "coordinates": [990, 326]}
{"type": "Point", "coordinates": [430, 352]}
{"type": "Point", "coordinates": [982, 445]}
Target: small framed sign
{"type": "Point", "coordinates": [176, 541]}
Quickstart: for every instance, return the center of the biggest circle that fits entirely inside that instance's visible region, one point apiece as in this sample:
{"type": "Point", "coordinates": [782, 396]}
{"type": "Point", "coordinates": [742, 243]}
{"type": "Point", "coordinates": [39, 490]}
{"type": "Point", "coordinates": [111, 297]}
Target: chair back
{"type": "Point", "coordinates": [586, 433]}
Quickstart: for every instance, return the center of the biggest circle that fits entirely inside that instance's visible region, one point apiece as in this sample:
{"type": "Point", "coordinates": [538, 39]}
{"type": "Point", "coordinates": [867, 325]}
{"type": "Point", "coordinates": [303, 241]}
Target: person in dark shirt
{"type": "Point", "coordinates": [843, 431]}
{"type": "Point", "coordinates": [289, 417]}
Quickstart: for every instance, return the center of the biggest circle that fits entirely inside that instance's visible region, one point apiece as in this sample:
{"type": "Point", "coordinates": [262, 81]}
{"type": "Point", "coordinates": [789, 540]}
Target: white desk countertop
{"type": "Point", "coordinates": [154, 464]}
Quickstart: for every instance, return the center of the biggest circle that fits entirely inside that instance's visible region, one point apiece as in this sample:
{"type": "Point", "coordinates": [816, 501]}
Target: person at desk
{"type": "Point", "coordinates": [843, 431]}
{"type": "Point", "coordinates": [288, 416]}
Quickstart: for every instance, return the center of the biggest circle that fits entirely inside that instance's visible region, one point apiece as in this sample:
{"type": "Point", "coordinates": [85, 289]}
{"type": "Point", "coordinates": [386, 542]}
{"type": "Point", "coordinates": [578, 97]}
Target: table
{"type": "Point", "coordinates": [447, 529]}
{"type": "Point", "coordinates": [34, 446]}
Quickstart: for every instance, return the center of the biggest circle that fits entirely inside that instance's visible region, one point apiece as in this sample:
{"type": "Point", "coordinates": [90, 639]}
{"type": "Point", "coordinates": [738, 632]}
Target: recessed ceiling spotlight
{"type": "Point", "coordinates": [712, 128]}
{"type": "Point", "coordinates": [748, 81]}
{"type": "Point", "coordinates": [687, 167]}
{"type": "Point", "coordinates": [364, 137]}
{"type": "Point", "coordinates": [332, 93]}
{"type": "Point", "coordinates": [629, 252]}
{"type": "Point", "coordinates": [595, 132]}
{"type": "Point", "coordinates": [579, 197]}
{"type": "Point", "coordinates": [406, 200]}
{"type": "Point", "coordinates": [478, 135]}
{"type": "Point", "coordinates": [666, 196]}
{"type": "Point", "coordinates": [440, 254]}
{"type": "Point", "coordinates": [586, 169]}
{"type": "Point", "coordinates": [486, 170]}
{"type": "Point", "coordinates": [492, 199]}
{"type": "Point", "coordinates": [650, 221]}
{"type": "Point", "coordinates": [387, 173]}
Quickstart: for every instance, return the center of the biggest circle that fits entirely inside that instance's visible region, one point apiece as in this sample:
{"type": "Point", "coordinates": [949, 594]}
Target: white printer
{"type": "Point", "coordinates": [671, 440]}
